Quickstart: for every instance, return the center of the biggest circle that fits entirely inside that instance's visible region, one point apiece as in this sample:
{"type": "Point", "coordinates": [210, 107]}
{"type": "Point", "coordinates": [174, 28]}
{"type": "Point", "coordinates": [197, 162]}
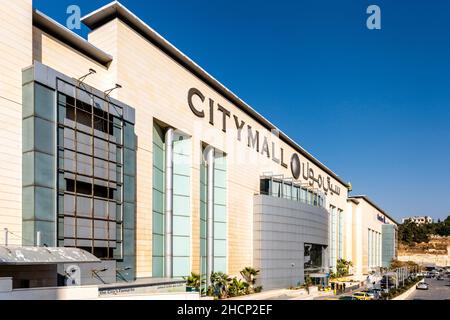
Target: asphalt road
{"type": "Point", "coordinates": [439, 290]}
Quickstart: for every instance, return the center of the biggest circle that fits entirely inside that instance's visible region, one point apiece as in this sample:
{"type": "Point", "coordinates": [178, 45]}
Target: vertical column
{"type": "Point", "coordinates": [220, 212]}
{"type": "Point", "coordinates": [38, 162]}
{"type": "Point", "coordinates": [158, 202]}
{"type": "Point", "coordinates": [181, 222]}
{"type": "Point", "coordinates": [168, 218]}
{"type": "Point", "coordinates": [128, 156]}
{"type": "Point", "coordinates": [210, 215]}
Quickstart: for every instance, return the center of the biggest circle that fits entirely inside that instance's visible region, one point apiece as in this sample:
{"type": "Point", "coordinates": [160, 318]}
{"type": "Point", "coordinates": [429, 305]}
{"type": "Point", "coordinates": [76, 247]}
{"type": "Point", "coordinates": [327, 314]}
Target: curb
{"type": "Point", "coordinates": [406, 294]}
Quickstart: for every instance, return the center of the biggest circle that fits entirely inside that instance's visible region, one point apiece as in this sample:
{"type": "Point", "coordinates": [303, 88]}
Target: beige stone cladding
{"type": "Point", "coordinates": [157, 87]}
{"type": "Point", "coordinates": [16, 54]}
{"type": "Point", "coordinates": [364, 216]}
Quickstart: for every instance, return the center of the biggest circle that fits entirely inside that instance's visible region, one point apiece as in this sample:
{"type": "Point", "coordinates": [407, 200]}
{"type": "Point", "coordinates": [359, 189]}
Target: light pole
{"type": "Point", "coordinates": [396, 282]}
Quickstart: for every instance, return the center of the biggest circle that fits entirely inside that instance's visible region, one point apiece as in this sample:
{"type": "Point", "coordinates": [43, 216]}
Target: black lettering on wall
{"type": "Point", "coordinates": [239, 127]}
{"type": "Point", "coordinates": [195, 92]}
{"type": "Point", "coordinates": [253, 139]}
{"type": "Point", "coordinates": [225, 114]}
{"type": "Point", "coordinates": [265, 148]}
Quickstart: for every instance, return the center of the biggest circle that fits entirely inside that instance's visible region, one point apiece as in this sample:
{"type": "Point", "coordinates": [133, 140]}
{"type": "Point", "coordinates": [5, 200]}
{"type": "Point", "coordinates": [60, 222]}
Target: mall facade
{"type": "Point", "coordinates": [122, 146]}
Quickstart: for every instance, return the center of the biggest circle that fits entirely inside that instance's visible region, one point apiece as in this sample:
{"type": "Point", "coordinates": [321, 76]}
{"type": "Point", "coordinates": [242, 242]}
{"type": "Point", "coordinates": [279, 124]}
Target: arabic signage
{"type": "Point", "coordinates": [198, 103]}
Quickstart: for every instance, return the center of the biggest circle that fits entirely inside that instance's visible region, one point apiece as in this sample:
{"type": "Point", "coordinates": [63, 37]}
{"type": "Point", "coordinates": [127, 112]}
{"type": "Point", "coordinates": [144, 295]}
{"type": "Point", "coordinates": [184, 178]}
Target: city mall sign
{"type": "Point", "coordinates": [198, 103]}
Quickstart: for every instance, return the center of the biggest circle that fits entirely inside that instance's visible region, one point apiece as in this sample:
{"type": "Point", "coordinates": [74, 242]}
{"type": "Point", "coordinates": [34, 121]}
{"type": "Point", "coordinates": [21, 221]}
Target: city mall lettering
{"type": "Point", "coordinates": [198, 104]}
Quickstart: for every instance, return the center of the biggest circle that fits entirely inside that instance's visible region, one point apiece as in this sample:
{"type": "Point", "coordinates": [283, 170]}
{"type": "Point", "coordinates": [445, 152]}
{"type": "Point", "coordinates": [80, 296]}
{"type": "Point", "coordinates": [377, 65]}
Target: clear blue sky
{"type": "Point", "coordinates": [374, 106]}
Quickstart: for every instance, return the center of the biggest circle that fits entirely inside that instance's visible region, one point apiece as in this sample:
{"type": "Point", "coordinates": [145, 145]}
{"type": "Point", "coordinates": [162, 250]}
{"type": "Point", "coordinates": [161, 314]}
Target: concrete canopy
{"type": "Point", "coordinates": [44, 255]}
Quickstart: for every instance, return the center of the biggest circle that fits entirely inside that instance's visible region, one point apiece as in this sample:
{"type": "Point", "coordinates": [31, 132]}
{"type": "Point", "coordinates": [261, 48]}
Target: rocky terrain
{"type": "Point", "coordinates": [436, 252]}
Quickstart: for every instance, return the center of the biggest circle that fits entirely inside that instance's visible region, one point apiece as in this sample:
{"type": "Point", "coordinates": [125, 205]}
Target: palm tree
{"type": "Point", "coordinates": [237, 287]}
{"type": "Point", "coordinates": [343, 267]}
{"type": "Point", "coordinates": [220, 281]}
{"type": "Point", "coordinates": [249, 274]}
{"type": "Point", "coordinates": [193, 281]}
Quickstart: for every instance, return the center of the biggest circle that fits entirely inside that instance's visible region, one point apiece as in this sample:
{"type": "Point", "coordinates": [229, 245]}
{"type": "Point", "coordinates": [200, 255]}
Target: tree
{"type": "Point", "coordinates": [219, 284]}
{"type": "Point", "coordinates": [249, 274]}
{"type": "Point", "coordinates": [343, 268]}
{"type": "Point", "coordinates": [410, 233]}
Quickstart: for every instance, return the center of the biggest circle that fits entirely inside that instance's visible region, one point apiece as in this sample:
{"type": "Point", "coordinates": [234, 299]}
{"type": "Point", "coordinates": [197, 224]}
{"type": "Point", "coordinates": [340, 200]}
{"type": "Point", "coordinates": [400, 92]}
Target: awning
{"type": "Point", "coordinates": [44, 255]}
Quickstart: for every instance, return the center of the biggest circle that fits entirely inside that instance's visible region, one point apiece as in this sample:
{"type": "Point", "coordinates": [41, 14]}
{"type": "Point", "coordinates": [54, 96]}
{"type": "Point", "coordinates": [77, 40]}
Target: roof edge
{"type": "Point", "coordinates": [116, 10]}
{"type": "Point", "coordinates": [373, 204]}
{"type": "Point", "coordinates": [60, 32]}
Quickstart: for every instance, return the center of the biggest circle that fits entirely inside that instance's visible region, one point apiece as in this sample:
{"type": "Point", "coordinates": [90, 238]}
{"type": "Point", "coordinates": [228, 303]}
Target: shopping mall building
{"type": "Point", "coordinates": [122, 146]}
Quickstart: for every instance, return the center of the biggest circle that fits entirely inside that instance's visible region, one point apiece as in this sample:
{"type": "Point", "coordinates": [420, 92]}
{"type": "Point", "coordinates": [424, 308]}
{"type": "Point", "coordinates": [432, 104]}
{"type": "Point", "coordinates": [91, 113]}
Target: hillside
{"type": "Point", "coordinates": [436, 245]}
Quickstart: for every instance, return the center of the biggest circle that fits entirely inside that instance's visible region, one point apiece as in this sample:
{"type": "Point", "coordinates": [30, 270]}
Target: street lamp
{"type": "Point", "coordinates": [108, 92]}
{"type": "Point", "coordinates": [82, 78]}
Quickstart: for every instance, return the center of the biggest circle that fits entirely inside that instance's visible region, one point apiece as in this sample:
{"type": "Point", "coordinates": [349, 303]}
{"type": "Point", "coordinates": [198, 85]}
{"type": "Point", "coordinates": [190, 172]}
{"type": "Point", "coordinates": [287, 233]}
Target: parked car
{"type": "Point", "coordinates": [439, 277]}
{"type": "Point", "coordinates": [422, 286]}
{"type": "Point", "coordinates": [348, 298]}
{"type": "Point", "coordinates": [362, 296]}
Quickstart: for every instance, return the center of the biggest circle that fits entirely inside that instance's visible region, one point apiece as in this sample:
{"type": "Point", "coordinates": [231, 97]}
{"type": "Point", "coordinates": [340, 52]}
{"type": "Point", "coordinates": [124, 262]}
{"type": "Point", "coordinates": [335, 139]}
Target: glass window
{"type": "Point", "coordinates": [129, 164]}
{"type": "Point", "coordinates": [44, 102]}
{"type": "Point", "coordinates": [129, 136]}
{"type": "Point", "coordinates": [45, 136]}
{"type": "Point", "coordinates": [28, 134]}
{"type": "Point", "coordinates": [129, 189]}
{"type": "Point", "coordinates": [276, 189]}
{"type": "Point", "coordinates": [28, 100]}
{"type": "Point", "coordinates": [28, 169]}
{"type": "Point", "coordinates": [28, 203]}
{"type": "Point", "coordinates": [303, 195]}
{"type": "Point", "coordinates": [313, 254]}
{"type": "Point", "coordinates": [264, 186]}
{"type": "Point", "coordinates": [45, 202]}
{"type": "Point", "coordinates": [129, 216]}
{"type": "Point", "coordinates": [129, 244]}
{"type": "Point", "coordinates": [45, 170]}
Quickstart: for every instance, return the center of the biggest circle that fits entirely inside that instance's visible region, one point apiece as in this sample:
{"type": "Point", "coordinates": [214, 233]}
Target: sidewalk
{"type": "Point", "coordinates": [285, 294]}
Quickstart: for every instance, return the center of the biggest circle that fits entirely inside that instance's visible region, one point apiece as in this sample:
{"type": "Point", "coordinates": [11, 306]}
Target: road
{"type": "Point", "coordinates": [439, 290]}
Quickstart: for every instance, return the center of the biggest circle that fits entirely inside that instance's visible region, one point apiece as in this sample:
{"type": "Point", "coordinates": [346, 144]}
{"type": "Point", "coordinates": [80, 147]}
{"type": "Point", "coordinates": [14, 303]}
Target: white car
{"type": "Point", "coordinates": [422, 286]}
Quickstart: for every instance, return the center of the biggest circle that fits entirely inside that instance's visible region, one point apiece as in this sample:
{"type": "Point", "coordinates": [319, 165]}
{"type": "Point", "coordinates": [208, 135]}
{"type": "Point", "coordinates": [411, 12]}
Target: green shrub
{"type": "Point", "coordinates": [237, 288]}
{"type": "Point", "coordinates": [258, 289]}
{"type": "Point", "coordinates": [222, 286]}
{"type": "Point", "coordinates": [193, 281]}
